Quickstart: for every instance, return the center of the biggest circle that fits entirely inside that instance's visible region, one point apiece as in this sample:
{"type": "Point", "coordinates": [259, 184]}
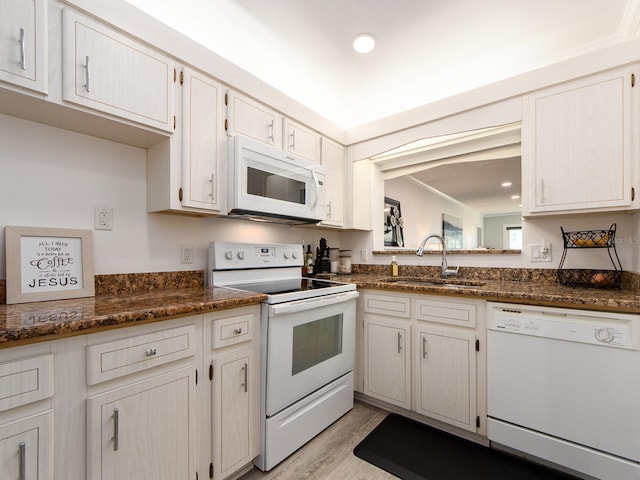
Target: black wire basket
{"type": "Point", "coordinates": [592, 278]}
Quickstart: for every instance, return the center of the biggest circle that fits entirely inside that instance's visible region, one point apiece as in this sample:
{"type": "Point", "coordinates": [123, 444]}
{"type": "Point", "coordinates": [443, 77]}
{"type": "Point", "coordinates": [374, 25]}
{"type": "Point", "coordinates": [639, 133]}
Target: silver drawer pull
{"type": "Point", "coordinates": [116, 427]}
{"type": "Point", "coordinates": [23, 53]}
{"type": "Point", "coordinates": [237, 331]}
{"type": "Point", "coordinates": [246, 378]}
{"type": "Point", "coordinates": [151, 352]}
{"type": "Point", "coordinates": [22, 448]}
{"type": "Point", "coordinates": [87, 78]}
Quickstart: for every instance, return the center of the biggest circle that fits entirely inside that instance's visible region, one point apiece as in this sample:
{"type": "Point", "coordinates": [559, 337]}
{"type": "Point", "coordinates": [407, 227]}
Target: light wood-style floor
{"type": "Point", "coordinates": [330, 456]}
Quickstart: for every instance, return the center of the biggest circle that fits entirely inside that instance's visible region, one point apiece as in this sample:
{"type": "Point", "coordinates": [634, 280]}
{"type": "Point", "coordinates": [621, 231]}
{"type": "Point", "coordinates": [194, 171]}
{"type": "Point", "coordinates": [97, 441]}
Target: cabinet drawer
{"type": "Point", "coordinates": [110, 360]}
{"type": "Point", "coordinates": [25, 381]}
{"type": "Point", "coordinates": [388, 305]}
{"type": "Point", "coordinates": [232, 330]}
{"type": "Point", "coordinates": [452, 313]}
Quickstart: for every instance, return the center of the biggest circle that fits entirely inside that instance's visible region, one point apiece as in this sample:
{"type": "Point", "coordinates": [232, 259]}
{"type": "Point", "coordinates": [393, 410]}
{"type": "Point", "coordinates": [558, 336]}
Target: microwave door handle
{"type": "Point", "coordinates": [317, 189]}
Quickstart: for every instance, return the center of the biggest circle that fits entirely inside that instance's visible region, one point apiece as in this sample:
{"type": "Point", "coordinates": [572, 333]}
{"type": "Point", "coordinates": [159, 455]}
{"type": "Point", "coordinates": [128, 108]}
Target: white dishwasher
{"type": "Point", "coordinates": [564, 386]}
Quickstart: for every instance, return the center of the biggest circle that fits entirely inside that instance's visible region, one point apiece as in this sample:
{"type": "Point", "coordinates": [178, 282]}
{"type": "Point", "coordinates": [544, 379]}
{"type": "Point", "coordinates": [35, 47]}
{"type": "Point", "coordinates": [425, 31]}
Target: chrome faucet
{"type": "Point", "coordinates": [446, 271]}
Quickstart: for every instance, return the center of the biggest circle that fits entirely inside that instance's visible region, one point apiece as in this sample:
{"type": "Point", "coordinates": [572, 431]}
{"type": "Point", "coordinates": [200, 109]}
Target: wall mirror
{"type": "Point", "coordinates": [474, 176]}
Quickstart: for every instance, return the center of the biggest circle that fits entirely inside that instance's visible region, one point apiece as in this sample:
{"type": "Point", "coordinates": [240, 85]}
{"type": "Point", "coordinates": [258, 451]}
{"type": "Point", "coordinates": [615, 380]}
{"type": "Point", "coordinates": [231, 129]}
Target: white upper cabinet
{"type": "Point", "coordinates": [252, 119]}
{"type": "Point", "coordinates": [23, 43]}
{"type": "Point", "coordinates": [202, 148]}
{"type": "Point", "coordinates": [109, 72]}
{"type": "Point", "coordinates": [333, 161]}
{"type": "Point", "coordinates": [578, 143]}
{"type": "Point", "coordinates": [301, 141]}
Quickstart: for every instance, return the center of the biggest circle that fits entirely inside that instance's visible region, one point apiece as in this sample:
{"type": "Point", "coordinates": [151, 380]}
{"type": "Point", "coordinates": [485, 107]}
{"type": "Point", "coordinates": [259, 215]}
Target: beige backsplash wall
{"type": "Point", "coordinates": [54, 178]}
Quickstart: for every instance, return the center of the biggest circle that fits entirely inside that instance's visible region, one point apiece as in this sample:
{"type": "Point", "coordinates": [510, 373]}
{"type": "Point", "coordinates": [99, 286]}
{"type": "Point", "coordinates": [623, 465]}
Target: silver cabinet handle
{"type": "Point", "coordinates": [542, 190]}
{"type": "Point", "coordinates": [211, 184]}
{"type": "Point", "coordinates": [399, 342]}
{"type": "Point", "coordinates": [23, 54]}
{"type": "Point", "coordinates": [246, 377]}
{"type": "Point", "coordinates": [328, 209]}
{"type": "Point", "coordinates": [87, 85]}
{"type": "Point", "coordinates": [22, 449]}
{"type": "Point", "coordinates": [424, 347]}
{"type": "Point", "coordinates": [271, 131]}
{"type": "Point", "coordinates": [151, 352]}
{"type": "Point", "coordinates": [293, 140]}
{"type": "Point", "coordinates": [237, 331]}
{"type": "Point", "coordinates": [116, 427]}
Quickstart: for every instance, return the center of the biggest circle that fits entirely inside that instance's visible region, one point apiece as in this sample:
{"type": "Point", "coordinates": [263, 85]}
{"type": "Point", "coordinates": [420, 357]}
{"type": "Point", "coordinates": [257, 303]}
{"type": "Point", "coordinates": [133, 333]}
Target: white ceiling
{"type": "Point", "coordinates": [427, 49]}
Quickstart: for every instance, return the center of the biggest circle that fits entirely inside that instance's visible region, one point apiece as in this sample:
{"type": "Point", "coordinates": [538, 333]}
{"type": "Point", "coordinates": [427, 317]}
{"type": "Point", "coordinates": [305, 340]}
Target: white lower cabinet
{"type": "Point", "coordinates": [445, 387]}
{"type": "Point", "coordinates": [26, 418]}
{"type": "Point", "coordinates": [425, 353]}
{"type": "Point", "coordinates": [26, 448]}
{"type": "Point", "coordinates": [387, 360]}
{"type": "Point", "coordinates": [141, 405]}
{"type": "Point", "coordinates": [232, 408]}
{"type": "Point", "coordinates": [234, 375]}
{"type": "Point", "coordinates": [143, 430]}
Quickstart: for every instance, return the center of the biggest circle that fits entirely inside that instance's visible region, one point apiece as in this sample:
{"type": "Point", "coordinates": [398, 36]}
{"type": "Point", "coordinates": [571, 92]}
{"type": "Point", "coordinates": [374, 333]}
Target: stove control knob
{"type": "Point", "coordinates": [294, 255]}
{"type": "Point", "coordinates": [604, 335]}
{"type": "Point", "coordinates": [241, 255]}
{"type": "Point", "coordinates": [286, 255]}
{"type": "Point", "coordinates": [228, 255]}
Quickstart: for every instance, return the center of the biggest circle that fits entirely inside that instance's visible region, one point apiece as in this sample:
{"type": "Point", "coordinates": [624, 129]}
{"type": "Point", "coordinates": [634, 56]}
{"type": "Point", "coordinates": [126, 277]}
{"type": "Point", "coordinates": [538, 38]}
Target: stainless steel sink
{"type": "Point", "coordinates": [436, 282]}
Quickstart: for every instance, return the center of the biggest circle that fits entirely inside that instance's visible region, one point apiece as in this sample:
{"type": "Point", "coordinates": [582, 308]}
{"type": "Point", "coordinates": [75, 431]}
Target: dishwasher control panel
{"type": "Point", "coordinates": [597, 328]}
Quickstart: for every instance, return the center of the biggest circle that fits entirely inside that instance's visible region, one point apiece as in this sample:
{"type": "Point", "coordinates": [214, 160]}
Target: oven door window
{"type": "Point", "coordinates": [316, 342]}
{"type": "Point", "coordinates": [267, 184]}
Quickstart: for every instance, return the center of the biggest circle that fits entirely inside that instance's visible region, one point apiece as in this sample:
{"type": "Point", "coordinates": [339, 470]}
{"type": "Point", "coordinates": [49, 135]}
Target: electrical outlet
{"type": "Point", "coordinates": [539, 252]}
{"type": "Point", "coordinates": [363, 255]}
{"type": "Point", "coordinates": [103, 218]}
{"type": "Point", "coordinates": [186, 253]}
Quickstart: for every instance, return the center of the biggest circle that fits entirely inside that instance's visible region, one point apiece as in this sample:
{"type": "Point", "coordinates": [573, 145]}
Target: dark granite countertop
{"type": "Point", "coordinates": [39, 321]}
{"type": "Point", "coordinates": [542, 292]}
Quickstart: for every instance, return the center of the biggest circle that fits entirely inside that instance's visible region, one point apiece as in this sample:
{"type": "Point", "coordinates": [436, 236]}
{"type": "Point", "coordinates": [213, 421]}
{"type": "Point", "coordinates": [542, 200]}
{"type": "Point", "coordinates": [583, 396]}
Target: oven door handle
{"type": "Point", "coordinates": [311, 303]}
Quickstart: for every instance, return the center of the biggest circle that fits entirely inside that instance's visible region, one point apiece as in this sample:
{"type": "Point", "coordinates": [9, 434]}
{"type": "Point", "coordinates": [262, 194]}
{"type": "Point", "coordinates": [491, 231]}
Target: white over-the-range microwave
{"type": "Point", "coordinates": [271, 185]}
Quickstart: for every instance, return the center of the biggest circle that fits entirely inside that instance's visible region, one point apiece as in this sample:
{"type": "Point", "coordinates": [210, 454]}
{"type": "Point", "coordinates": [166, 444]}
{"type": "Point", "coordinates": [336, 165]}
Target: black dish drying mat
{"type": "Point", "coordinates": [413, 451]}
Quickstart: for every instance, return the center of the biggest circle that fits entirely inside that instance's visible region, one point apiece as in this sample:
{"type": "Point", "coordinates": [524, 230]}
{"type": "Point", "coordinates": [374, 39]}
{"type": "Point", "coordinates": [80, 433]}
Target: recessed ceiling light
{"type": "Point", "coordinates": [515, 197]}
{"type": "Point", "coordinates": [364, 43]}
{"type": "Point", "coordinates": [506, 184]}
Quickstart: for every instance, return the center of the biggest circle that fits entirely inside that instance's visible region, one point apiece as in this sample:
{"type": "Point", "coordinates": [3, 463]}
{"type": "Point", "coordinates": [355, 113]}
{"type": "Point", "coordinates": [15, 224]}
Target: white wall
{"type": "Point", "coordinates": [51, 177]}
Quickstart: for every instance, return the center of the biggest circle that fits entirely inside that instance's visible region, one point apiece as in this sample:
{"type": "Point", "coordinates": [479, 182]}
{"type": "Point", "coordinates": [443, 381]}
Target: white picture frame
{"type": "Point", "coordinates": [48, 264]}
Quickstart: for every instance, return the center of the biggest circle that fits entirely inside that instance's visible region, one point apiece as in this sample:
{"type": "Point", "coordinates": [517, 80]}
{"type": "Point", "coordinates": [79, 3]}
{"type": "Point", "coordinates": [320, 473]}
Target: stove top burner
{"type": "Point", "coordinates": [277, 287]}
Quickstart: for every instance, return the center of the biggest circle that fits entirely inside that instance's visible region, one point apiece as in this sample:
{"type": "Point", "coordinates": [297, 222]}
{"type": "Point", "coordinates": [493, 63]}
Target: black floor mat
{"type": "Point", "coordinates": [413, 451]}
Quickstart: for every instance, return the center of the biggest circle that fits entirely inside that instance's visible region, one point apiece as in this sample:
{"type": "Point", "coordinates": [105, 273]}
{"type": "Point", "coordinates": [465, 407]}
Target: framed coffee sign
{"type": "Point", "coordinates": [48, 264]}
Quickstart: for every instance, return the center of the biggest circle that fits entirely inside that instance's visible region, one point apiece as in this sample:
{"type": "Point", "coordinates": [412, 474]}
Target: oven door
{"type": "Point", "coordinates": [268, 181]}
{"type": "Point", "coordinates": [309, 343]}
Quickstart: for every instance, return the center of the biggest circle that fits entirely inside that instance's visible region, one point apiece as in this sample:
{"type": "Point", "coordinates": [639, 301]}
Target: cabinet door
{"type": "Point", "coordinates": [252, 119]}
{"type": "Point", "coordinates": [577, 145]}
{"type": "Point", "coordinates": [112, 73]}
{"type": "Point", "coordinates": [333, 160]}
{"type": "Point", "coordinates": [23, 43]}
{"type": "Point", "coordinates": [387, 360]}
{"type": "Point", "coordinates": [301, 141]}
{"type": "Point", "coordinates": [202, 159]}
{"type": "Point", "coordinates": [144, 430]}
{"type": "Point", "coordinates": [26, 448]}
{"type": "Point", "coordinates": [235, 407]}
{"type": "Point", "coordinates": [446, 375]}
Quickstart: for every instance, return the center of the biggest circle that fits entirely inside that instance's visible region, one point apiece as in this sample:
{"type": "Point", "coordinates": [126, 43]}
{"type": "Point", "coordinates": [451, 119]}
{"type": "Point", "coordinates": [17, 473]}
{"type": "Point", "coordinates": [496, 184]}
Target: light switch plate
{"type": "Point", "coordinates": [539, 252]}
